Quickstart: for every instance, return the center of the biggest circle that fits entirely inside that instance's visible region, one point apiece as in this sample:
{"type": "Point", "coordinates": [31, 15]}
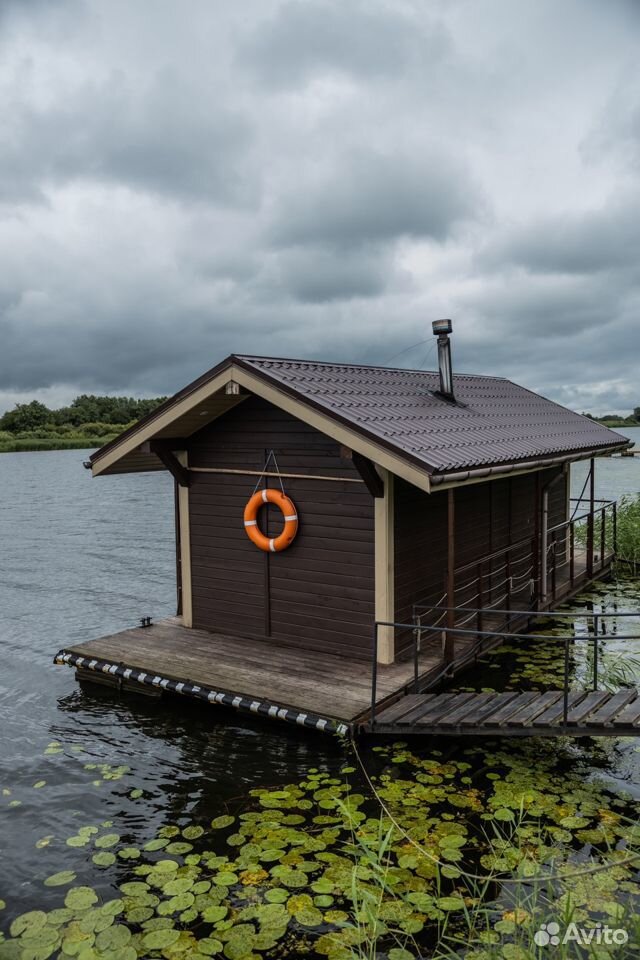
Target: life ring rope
{"type": "Point", "coordinates": [289, 514]}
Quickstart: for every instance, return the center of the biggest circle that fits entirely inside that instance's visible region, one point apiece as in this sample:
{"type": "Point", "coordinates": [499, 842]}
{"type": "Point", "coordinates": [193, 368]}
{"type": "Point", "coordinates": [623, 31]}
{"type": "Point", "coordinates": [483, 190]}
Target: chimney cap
{"type": "Point", "coordinates": [441, 327]}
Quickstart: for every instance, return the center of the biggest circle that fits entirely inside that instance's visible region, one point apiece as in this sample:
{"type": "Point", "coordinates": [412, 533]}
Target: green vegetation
{"type": "Point", "coordinates": [628, 532]}
{"type": "Point", "coordinates": [615, 420]}
{"type": "Point", "coordinates": [430, 856]}
{"type": "Point", "coordinates": [89, 421]}
{"type": "Point", "coordinates": [627, 548]}
{"type": "Point", "coordinates": [406, 851]}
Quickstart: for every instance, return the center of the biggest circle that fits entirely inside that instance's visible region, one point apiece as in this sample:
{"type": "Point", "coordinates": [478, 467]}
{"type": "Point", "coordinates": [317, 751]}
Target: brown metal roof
{"type": "Point", "coordinates": [494, 421]}
{"type": "Point", "coordinates": [495, 424]}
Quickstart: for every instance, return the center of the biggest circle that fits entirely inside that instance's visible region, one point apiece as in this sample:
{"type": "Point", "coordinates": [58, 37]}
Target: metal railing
{"type": "Point", "coordinates": [596, 535]}
{"type": "Point", "coordinates": [450, 668]}
{"type": "Point", "coordinates": [536, 569]}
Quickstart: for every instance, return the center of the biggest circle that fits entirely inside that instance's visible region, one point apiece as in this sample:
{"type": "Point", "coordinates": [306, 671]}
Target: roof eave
{"type": "Point", "coordinates": [478, 474]}
{"type": "Point", "coordinates": [381, 452]}
{"type": "Point", "coordinates": [161, 409]}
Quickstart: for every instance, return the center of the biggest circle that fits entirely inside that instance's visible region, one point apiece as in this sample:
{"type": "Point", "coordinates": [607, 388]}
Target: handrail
{"type": "Point", "coordinates": [588, 500]}
{"type": "Point", "coordinates": [555, 560]}
{"type": "Point", "coordinates": [470, 652]}
{"type": "Point", "coordinates": [496, 553]}
{"type": "Point", "coordinates": [583, 516]}
{"type": "Point", "coordinates": [528, 613]}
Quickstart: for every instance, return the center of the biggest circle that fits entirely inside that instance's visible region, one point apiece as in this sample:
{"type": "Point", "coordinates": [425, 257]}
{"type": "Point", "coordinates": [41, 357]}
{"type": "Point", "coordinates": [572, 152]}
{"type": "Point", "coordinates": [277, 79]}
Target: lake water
{"type": "Point", "coordinates": [81, 558]}
{"type": "Point", "coordinates": [615, 476]}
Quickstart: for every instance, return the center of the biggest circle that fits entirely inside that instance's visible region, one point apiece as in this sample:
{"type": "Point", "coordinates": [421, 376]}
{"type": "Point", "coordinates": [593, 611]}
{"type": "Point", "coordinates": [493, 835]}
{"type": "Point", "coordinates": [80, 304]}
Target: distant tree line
{"type": "Point", "coordinates": [88, 418]}
{"type": "Point", "coordinates": [632, 420]}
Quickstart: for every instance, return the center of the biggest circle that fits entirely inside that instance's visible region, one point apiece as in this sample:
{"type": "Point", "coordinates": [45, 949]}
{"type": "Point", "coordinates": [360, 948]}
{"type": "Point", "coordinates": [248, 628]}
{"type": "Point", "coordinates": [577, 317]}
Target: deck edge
{"type": "Point", "coordinates": [264, 708]}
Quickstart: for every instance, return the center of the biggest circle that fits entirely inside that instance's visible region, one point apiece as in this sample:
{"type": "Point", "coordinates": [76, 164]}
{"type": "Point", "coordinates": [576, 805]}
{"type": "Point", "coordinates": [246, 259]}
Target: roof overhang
{"type": "Point", "coordinates": [444, 481]}
{"type": "Point", "coordinates": [185, 414]}
{"type": "Point", "coordinates": [210, 397]}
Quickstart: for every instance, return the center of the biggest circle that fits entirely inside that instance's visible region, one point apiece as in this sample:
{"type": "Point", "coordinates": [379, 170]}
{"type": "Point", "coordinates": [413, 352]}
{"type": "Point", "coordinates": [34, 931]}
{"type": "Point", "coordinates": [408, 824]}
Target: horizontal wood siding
{"type": "Point", "coordinates": [318, 593]}
{"type": "Point", "coordinates": [488, 517]}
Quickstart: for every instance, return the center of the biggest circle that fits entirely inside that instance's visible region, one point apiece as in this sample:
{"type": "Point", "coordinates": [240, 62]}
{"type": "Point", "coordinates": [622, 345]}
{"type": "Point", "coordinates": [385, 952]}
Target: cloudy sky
{"type": "Point", "coordinates": [319, 178]}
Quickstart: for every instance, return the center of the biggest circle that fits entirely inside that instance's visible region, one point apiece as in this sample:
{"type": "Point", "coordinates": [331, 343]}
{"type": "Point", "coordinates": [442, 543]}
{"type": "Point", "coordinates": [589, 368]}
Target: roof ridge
{"type": "Point", "coordinates": [248, 357]}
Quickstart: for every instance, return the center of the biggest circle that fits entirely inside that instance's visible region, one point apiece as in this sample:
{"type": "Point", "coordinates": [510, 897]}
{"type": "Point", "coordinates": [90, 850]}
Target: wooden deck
{"type": "Point", "coordinates": [302, 686]}
{"type": "Point", "coordinates": [534, 713]}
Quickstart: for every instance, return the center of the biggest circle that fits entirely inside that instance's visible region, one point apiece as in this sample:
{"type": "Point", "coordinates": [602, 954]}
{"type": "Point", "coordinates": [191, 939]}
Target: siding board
{"type": "Point", "coordinates": [489, 516]}
{"type": "Point", "coordinates": [319, 593]}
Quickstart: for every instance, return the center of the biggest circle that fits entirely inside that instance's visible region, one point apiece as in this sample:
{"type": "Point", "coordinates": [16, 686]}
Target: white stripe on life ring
{"type": "Point", "coordinates": [294, 516]}
{"type": "Point", "coordinates": [272, 546]}
{"type": "Point", "coordinates": [251, 523]}
{"type": "Point", "coordinates": [264, 496]}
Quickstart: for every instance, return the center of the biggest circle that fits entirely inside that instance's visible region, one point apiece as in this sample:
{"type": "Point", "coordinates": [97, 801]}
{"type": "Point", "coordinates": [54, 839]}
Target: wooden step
{"type": "Point", "coordinates": [603, 715]}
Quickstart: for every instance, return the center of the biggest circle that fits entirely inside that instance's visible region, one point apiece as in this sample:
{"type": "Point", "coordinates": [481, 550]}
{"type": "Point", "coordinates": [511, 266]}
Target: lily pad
{"type": "Point", "coordinates": [209, 946]}
{"type": "Point", "coordinates": [160, 939]}
{"type": "Point", "coordinates": [220, 823]}
{"type": "Point", "coordinates": [113, 938]}
{"type": "Point", "coordinates": [104, 858]}
{"type": "Point", "coordinates": [179, 847]}
{"type": "Point", "coordinates": [129, 853]}
{"type": "Point", "coordinates": [107, 840]}
{"type": "Point", "coordinates": [192, 832]}
{"type": "Point", "coordinates": [450, 903]}
{"type": "Point", "coordinates": [79, 898]}
{"type": "Point", "coordinates": [60, 879]}
{"type": "Point", "coordinates": [31, 921]}
{"type": "Point", "coordinates": [157, 844]}
{"type": "Point", "coordinates": [214, 913]}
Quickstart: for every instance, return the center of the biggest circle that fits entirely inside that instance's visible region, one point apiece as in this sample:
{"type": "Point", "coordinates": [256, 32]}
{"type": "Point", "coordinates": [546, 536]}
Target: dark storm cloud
{"type": "Point", "coordinates": [168, 137]}
{"type": "Point", "coordinates": [320, 275]}
{"type": "Point", "coordinates": [318, 179]}
{"type": "Point", "coordinates": [26, 8]}
{"type": "Point", "coordinates": [584, 243]}
{"type": "Point", "coordinates": [304, 38]}
{"type": "Point", "coordinates": [367, 196]}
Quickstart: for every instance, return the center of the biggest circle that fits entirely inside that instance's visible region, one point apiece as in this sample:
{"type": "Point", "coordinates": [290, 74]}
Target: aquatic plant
{"type": "Point", "coordinates": [628, 532]}
{"type": "Point", "coordinates": [426, 853]}
{"type": "Point", "coordinates": [466, 851]}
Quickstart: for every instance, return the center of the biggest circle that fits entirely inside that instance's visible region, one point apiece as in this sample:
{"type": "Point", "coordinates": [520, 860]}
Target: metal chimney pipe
{"type": "Point", "coordinates": [442, 329]}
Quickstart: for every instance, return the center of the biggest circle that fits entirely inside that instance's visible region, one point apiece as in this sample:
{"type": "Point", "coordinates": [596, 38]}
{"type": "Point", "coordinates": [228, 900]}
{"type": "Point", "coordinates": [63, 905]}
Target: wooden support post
{"type": "Point", "coordinates": [572, 554]}
{"type": "Point", "coordinates": [185, 548]}
{"type": "Point", "coordinates": [592, 496]}
{"type": "Point", "coordinates": [176, 495]}
{"type": "Point", "coordinates": [449, 643]}
{"type": "Point", "coordinates": [544, 535]}
{"type": "Point", "coordinates": [385, 569]}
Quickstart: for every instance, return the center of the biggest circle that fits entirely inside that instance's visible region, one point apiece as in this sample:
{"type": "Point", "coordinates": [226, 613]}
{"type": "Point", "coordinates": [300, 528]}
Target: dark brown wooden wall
{"type": "Point", "coordinates": [489, 516]}
{"type": "Point", "coordinates": [318, 593]}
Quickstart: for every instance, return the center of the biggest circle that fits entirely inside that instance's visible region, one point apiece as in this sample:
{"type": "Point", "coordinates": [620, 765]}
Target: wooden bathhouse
{"type": "Point", "coordinates": [314, 500]}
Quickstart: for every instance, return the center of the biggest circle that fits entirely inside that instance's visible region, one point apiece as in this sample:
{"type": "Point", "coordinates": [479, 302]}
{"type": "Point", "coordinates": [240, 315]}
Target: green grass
{"type": "Point", "coordinates": [24, 444]}
{"type": "Point", "coordinates": [628, 532]}
{"type": "Point", "coordinates": [619, 422]}
{"type": "Point", "coordinates": [492, 917]}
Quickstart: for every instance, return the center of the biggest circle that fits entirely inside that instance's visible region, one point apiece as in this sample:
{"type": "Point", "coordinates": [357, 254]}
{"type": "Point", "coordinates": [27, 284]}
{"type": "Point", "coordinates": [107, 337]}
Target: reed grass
{"type": "Point", "coordinates": [500, 916]}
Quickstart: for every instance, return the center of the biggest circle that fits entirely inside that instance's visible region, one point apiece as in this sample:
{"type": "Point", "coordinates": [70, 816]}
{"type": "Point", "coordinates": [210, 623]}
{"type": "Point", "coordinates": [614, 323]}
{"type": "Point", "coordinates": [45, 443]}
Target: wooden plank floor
{"type": "Point", "coordinates": [532, 713]}
{"type": "Point", "coordinates": [304, 680]}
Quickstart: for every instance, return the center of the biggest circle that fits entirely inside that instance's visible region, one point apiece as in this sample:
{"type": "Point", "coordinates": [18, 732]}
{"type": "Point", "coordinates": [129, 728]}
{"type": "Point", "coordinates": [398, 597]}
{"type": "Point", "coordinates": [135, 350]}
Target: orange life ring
{"type": "Point", "coordinates": [273, 544]}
